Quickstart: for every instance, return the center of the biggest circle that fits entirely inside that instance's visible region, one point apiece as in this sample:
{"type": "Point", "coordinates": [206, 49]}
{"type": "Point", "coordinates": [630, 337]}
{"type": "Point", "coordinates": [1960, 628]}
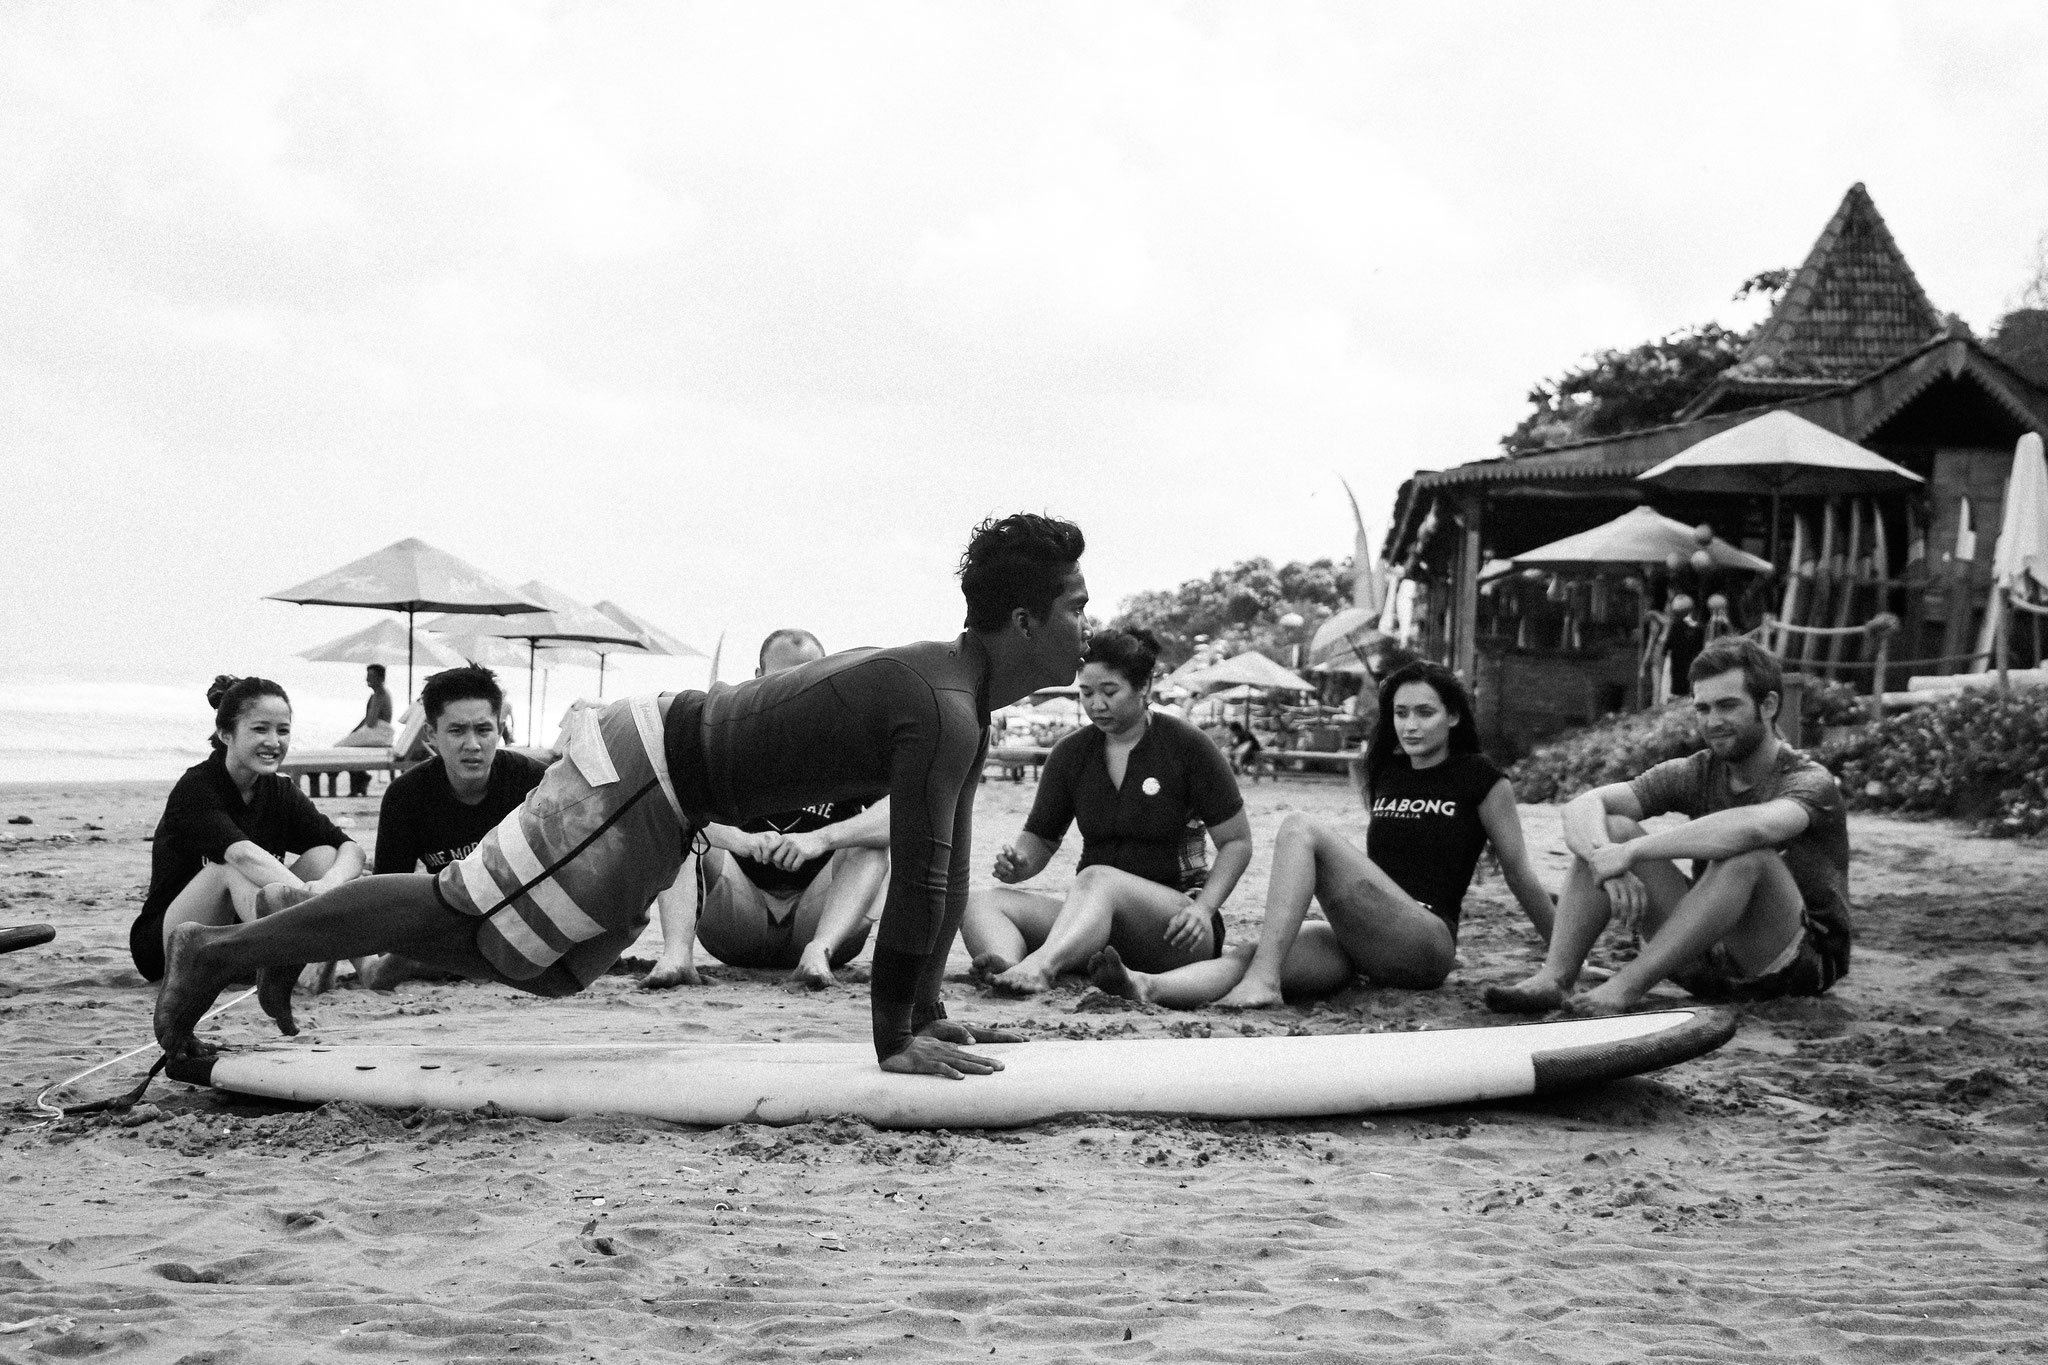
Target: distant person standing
{"type": "Point", "coordinates": [373, 731]}
{"type": "Point", "coordinates": [1687, 638]}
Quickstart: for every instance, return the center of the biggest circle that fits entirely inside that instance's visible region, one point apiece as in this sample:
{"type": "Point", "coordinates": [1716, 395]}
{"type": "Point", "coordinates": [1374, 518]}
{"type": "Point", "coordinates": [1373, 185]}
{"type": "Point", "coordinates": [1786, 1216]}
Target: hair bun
{"type": "Point", "coordinates": [218, 688]}
{"type": "Point", "coordinates": [1143, 637]}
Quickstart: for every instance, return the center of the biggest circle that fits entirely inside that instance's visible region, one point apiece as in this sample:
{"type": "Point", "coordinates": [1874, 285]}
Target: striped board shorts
{"type": "Point", "coordinates": [568, 877]}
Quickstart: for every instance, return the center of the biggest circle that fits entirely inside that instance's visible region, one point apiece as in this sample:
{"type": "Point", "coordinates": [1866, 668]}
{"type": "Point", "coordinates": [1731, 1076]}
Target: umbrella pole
{"type": "Point", "coordinates": [1774, 528]}
{"type": "Point", "coordinates": [600, 675]}
{"type": "Point", "coordinates": [532, 656]}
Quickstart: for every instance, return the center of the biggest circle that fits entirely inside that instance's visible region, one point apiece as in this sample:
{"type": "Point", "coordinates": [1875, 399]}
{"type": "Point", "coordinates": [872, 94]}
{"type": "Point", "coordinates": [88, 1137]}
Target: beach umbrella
{"type": "Point", "coordinates": [410, 576]}
{"type": "Point", "coordinates": [652, 638]}
{"type": "Point", "coordinates": [384, 642]}
{"type": "Point", "coordinates": [1341, 635]}
{"type": "Point", "coordinates": [1249, 667]}
{"type": "Point", "coordinates": [1784, 455]}
{"type": "Point", "coordinates": [561, 620]}
{"type": "Point", "coordinates": [1638, 536]}
{"type": "Point", "coordinates": [2022, 551]}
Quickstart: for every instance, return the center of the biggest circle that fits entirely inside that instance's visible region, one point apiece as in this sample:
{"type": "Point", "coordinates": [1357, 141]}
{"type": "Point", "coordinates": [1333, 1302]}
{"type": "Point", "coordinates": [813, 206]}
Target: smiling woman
{"type": "Point", "coordinates": [232, 822]}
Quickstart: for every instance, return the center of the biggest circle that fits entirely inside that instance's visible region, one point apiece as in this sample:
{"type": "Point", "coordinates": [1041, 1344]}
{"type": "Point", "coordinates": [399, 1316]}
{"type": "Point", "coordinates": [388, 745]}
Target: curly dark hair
{"type": "Point", "coordinates": [1131, 650]}
{"type": "Point", "coordinates": [1021, 560]}
{"type": "Point", "coordinates": [1385, 747]}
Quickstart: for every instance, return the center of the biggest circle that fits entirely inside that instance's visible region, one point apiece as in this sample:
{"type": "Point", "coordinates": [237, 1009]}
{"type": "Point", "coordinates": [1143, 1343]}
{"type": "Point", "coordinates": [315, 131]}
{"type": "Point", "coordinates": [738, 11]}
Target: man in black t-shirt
{"type": "Point", "coordinates": [796, 891]}
{"type": "Point", "coordinates": [437, 812]}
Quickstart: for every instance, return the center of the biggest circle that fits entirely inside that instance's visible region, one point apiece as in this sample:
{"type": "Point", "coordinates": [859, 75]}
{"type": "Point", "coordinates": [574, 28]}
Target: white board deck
{"type": "Point", "coordinates": [781, 1083]}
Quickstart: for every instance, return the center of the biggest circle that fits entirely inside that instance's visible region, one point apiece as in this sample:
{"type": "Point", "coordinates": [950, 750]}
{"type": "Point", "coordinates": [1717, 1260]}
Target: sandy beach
{"type": "Point", "coordinates": [1859, 1178]}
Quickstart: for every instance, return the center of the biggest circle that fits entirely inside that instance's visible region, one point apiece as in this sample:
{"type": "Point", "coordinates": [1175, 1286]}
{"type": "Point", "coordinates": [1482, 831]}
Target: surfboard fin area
{"type": "Point", "coordinates": [782, 1083]}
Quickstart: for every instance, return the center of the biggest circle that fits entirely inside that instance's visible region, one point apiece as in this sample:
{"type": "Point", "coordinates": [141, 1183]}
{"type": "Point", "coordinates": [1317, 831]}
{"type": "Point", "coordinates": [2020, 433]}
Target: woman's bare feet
{"type": "Point", "coordinates": [813, 969]}
{"type": "Point", "coordinates": [1107, 970]}
{"type": "Point", "coordinates": [986, 967]}
{"type": "Point", "coordinates": [1250, 995]}
{"type": "Point", "coordinates": [1021, 980]}
{"type": "Point", "coordinates": [1537, 995]}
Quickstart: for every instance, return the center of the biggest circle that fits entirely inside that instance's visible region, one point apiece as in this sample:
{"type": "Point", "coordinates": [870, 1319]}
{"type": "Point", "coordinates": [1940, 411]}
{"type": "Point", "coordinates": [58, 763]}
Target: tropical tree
{"type": "Point", "coordinates": [1644, 386]}
{"type": "Point", "coordinates": [1242, 607]}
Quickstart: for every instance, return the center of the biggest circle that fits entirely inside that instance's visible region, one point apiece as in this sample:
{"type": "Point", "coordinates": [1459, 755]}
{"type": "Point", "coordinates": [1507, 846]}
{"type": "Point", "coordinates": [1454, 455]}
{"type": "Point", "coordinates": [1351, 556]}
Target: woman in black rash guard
{"type": "Point", "coordinates": [551, 897]}
{"type": "Point", "coordinates": [1392, 911]}
{"type": "Point", "coordinates": [1144, 786]}
{"type": "Point", "coordinates": [232, 826]}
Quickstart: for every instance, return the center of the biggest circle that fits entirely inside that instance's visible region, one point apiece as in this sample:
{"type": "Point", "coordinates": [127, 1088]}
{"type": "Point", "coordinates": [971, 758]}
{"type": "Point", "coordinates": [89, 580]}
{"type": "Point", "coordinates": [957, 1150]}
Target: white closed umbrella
{"type": "Point", "coordinates": [2022, 551]}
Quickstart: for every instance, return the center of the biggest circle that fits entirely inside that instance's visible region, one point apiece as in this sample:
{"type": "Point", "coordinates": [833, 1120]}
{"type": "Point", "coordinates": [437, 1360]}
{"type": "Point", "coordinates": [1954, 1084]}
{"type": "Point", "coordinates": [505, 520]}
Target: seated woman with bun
{"type": "Point", "coordinates": [1391, 911]}
{"type": "Point", "coordinates": [233, 826]}
{"type": "Point", "coordinates": [1144, 786]}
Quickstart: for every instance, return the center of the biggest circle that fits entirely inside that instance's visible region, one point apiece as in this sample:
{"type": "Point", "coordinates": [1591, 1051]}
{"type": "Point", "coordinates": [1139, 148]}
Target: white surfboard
{"type": "Point", "coordinates": [780, 1083]}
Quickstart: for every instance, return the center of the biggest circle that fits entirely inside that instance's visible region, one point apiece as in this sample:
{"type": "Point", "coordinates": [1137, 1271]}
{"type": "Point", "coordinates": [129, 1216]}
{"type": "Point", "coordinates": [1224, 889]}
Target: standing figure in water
{"type": "Point", "coordinates": [561, 887]}
{"type": "Point", "coordinates": [1391, 911]}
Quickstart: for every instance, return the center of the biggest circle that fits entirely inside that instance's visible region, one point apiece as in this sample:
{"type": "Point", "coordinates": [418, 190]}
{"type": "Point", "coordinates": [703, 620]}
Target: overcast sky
{"type": "Point", "coordinates": [742, 314]}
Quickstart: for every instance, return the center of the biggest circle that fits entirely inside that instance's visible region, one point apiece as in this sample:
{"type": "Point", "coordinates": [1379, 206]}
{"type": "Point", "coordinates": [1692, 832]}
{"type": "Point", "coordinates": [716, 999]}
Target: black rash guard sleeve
{"type": "Point", "coordinates": [934, 759]}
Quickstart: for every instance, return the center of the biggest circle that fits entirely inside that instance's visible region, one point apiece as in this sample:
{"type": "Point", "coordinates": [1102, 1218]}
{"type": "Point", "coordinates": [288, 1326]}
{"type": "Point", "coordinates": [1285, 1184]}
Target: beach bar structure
{"type": "Point", "coordinates": [1854, 346]}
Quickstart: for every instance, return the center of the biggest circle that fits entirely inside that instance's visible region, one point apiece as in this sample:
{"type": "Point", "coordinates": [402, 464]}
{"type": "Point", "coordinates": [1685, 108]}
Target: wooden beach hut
{"type": "Point", "coordinates": [1854, 346]}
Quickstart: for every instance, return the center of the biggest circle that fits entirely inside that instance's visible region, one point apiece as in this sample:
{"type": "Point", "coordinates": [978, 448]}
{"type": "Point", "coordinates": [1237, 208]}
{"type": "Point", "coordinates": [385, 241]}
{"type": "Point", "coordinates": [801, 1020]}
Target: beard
{"type": "Point", "coordinates": [1741, 744]}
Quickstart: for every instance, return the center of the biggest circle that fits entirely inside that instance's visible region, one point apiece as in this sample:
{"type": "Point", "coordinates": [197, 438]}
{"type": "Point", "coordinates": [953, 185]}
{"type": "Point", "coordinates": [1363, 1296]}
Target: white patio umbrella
{"type": "Point", "coordinates": [2022, 551]}
{"type": "Point", "coordinates": [1784, 455]}
{"type": "Point", "coordinates": [564, 621]}
{"type": "Point", "coordinates": [384, 642]}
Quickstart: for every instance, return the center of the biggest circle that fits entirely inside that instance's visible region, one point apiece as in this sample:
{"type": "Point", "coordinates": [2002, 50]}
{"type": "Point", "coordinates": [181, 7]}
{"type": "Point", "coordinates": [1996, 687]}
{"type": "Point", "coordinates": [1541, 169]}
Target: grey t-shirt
{"type": "Point", "coordinates": [1817, 857]}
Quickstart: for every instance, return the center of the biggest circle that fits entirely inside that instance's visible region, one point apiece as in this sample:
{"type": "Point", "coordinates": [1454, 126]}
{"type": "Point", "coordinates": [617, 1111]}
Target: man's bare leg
{"type": "Point", "coordinates": [1583, 910]}
{"type": "Point", "coordinates": [1748, 902]}
{"type": "Point", "coordinates": [374, 915]}
{"type": "Point", "coordinates": [677, 908]}
{"type": "Point", "coordinates": [846, 905]}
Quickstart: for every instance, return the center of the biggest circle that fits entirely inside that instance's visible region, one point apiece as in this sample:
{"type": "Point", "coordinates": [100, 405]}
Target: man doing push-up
{"type": "Point", "coordinates": [561, 887]}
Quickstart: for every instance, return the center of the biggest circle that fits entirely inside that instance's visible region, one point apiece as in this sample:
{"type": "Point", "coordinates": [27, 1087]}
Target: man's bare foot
{"type": "Point", "coordinates": [191, 985]}
{"type": "Point", "coordinates": [1600, 1003]}
{"type": "Point", "coordinates": [1021, 980]}
{"type": "Point", "coordinates": [1107, 970]}
{"type": "Point", "coordinates": [813, 970]}
{"type": "Point", "coordinates": [666, 974]}
{"type": "Point", "coordinates": [1537, 995]}
{"type": "Point", "coordinates": [274, 993]}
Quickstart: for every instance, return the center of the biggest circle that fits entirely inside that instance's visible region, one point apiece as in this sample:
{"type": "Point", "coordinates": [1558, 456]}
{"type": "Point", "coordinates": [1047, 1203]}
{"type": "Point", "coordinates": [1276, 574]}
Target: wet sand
{"type": "Point", "coordinates": [1859, 1178]}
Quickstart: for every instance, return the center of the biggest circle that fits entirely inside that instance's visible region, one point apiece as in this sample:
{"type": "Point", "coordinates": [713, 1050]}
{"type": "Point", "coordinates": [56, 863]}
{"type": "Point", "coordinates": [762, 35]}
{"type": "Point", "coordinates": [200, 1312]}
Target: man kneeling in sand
{"type": "Point", "coordinates": [552, 896]}
{"type": "Point", "coordinates": [792, 892]}
{"type": "Point", "coordinates": [1767, 911]}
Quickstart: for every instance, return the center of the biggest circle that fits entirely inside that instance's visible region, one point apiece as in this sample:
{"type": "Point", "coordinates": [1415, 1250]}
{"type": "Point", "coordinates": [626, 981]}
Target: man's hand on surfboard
{"type": "Point", "coordinates": [929, 1056]}
{"type": "Point", "coordinates": [953, 1031]}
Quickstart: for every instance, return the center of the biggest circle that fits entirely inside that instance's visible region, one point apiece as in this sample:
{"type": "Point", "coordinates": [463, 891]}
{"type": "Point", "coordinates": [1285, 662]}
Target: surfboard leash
{"type": "Point", "coordinates": [119, 1104]}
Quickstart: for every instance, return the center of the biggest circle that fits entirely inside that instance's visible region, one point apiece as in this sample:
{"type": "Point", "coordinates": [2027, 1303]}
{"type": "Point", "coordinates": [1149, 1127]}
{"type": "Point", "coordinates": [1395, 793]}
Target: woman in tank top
{"type": "Point", "coordinates": [1391, 911]}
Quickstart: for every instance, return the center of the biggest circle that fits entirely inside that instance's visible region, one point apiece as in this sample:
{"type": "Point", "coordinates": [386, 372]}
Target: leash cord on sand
{"type": "Point", "coordinates": [128, 1100]}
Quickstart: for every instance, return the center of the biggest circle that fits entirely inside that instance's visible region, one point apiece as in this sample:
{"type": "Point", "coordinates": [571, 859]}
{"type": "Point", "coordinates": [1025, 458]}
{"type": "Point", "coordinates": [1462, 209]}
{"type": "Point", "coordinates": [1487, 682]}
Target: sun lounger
{"type": "Point", "coordinates": [1012, 759]}
{"type": "Point", "coordinates": [311, 764]}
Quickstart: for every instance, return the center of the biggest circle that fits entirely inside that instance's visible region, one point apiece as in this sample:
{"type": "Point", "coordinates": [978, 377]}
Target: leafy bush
{"type": "Point", "coordinates": [1833, 703]}
{"type": "Point", "coordinates": [1613, 750]}
{"type": "Point", "coordinates": [1982, 755]}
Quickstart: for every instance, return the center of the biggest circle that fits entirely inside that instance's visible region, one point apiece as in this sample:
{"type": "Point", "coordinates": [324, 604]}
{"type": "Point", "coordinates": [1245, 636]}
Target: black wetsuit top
{"type": "Point", "coordinates": [1175, 785]}
{"type": "Point", "coordinates": [203, 818]}
{"type": "Point", "coordinates": [909, 723]}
